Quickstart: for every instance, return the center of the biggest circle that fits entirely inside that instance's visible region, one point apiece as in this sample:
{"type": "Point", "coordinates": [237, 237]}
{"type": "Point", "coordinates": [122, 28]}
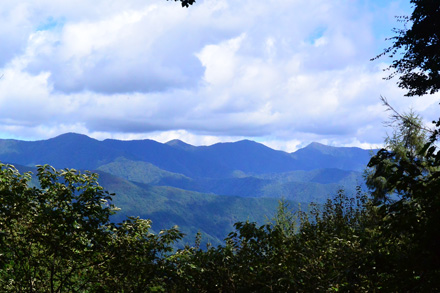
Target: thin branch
{"type": "Point", "coordinates": [397, 116]}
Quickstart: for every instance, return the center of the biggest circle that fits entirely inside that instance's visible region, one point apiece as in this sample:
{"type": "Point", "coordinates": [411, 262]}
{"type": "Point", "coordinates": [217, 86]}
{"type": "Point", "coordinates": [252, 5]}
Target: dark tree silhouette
{"type": "Point", "coordinates": [416, 50]}
{"type": "Point", "coordinates": [186, 3]}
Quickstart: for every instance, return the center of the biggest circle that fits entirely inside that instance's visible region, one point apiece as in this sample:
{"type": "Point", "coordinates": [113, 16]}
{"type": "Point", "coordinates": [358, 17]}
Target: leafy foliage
{"type": "Point", "coordinates": [138, 259]}
{"type": "Point", "coordinates": [405, 177]}
{"type": "Point", "coordinates": [47, 232]}
{"type": "Point", "coordinates": [186, 3]}
{"type": "Point", "coordinates": [405, 183]}
{"type": "Point", "coordinates": [331, 248]}
{"type": "Point", "coordinates": [418, 68]}
{"type": "Point", "coordinates": [401, 161]}
{"type": "Point", "coordinates": [58, 238]}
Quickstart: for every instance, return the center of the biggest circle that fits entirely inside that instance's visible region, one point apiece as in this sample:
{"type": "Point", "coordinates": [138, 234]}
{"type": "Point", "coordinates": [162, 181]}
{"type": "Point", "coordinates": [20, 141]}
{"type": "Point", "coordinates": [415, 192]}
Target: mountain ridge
{"type": "Point", "coordinates": [244, 155]}
{"type": "Point", "coordinates": [177, 183]}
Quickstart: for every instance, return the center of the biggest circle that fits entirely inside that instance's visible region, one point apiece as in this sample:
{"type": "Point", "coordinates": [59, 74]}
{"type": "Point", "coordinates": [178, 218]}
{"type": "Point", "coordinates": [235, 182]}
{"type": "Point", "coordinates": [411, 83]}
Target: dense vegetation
{"type": "Point", "coordinates": [57, 235]}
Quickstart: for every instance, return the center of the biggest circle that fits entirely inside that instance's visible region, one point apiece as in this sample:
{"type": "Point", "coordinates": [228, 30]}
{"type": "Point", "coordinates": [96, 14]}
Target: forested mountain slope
{"type": "Point", "coordinates": [206, 188]}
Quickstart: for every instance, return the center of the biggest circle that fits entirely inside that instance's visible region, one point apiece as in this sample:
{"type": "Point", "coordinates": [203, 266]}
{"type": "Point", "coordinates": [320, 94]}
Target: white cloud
{"type": "Point", "coordinates": [282, 72]}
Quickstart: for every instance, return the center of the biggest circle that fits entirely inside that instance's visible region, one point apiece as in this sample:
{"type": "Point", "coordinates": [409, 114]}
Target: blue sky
{"type": "Point", "coordinates": [281, 72]}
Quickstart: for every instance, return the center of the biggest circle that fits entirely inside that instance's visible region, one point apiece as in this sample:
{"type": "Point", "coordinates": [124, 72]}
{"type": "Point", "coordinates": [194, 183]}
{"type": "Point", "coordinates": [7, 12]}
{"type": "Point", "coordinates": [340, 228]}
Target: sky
{"type": "Point", "coordinates": [281, 72]}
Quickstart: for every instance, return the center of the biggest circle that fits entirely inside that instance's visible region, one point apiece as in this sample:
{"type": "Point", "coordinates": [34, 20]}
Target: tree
{"type": "Point", "coordinates": [56, 236]}
{"type": "Point", "coordinates": [138, 259]}
{"type": "Point", "coordinates": [404, 148]}
{"type": "Point", "coordinates": [405, 177]}
{"type": "Point", "coordinates": [186, 3]}
{"type": "Point", "coordinates": [51, 234]}
{"type": "Point", "coordinates": [405, 183]}
{"type": "Point", "coordinates": [419, 67]}
{"type": "Point", "coordinates": [331, 248]}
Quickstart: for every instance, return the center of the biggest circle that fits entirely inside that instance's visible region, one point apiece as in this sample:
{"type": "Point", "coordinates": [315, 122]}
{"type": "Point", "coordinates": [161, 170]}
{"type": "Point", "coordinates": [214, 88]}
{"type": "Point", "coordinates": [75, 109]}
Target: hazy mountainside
{"type": "Point", "coordinates": [247, 156]}
{"type": "Point", "coordinates": [139, 171]}
{"type": "Point", "coordinates": [211, 214]}
{"type": "Point", "coordinates": [243, 168]}
{"type": "Point", "coordinates": [318, 156]}
{"type": "Point", "coordinates": [315, 185]}
{"type": "Point", "coordinates": [218, 160]}
{"type": "Point", "coordinates": [205, 188]}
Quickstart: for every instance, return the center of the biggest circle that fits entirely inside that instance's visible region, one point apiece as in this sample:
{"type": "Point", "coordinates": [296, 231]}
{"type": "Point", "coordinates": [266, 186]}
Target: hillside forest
{"type": "Point", "coordinates": [57, 232]}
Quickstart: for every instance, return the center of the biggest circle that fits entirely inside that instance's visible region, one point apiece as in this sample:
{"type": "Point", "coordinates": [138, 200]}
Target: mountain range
{"type": "Point", "coordinates": [199, 188]}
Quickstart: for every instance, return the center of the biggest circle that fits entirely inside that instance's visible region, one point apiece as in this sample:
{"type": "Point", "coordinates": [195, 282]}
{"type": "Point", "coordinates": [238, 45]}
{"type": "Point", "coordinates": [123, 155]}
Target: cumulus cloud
{"type": "Point", "coordinates": [282, 72]}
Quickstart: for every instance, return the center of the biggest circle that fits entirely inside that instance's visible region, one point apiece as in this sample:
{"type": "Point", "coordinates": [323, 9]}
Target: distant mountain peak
{"type": "Point", "coordinates": [177, 143]}
{"type": "Point", "coordinates": [318, 146]}
{"type": "Point", "coordinates": [243, 143]}
{"type": "Point", "coordinates": [71, 135]}
{"type": "Point", "coordinates": [323, 147]}
{"type": "Point", "coordinates": [248, 141]}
